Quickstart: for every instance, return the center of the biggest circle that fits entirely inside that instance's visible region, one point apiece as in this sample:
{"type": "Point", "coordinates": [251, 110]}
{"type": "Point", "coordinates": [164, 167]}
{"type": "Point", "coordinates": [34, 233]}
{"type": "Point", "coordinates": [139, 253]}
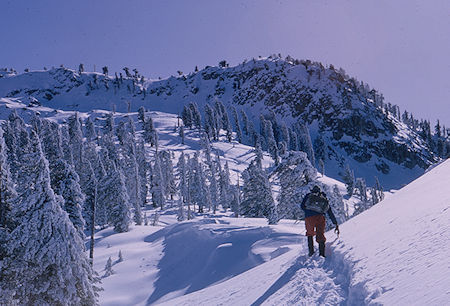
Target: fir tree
{"type": "Point", "coordinates": [149, 131]}
{"type": "Point", "coordinates": [108, 268]}
{"type": "Point", "coordinates": [73, 198]}
{"type": "Point", "coordinates": [349, 180]}
{"type": "Point", "coordinates": [257, 199]}
{"type": "Point", "coordinates": [237, 126]}
{"type": "Point", "coordinates": [45, 262]}
{"type": "Point", "coordinates": [143, 169]}
{"type": "Point", "coordinates": [113, 193]}
{"type": "Point", "coordinates": [295, 174]}
{"type": "Point", "coordinates": [7, 190]}
{"type": "Point", "coordinates": [158, 188]}
{"type": "Point", "coordinates": [89, 130]}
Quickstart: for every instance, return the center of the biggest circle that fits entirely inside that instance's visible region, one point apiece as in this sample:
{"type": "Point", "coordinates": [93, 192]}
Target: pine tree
{"type": "Point", "coordinates": [113, 193]}
{"type": "Point", "coordinates": [306, 143]}
{"type": "Point", "coordinates": [186, 116]}
{"type": "Point", "coordinates": [168, 175]}
{"type": "Point", "coordinates": [181, 216]}
{"type": "Point", "coordinates": [271, 143]}
{"type": "Point", "coordinates": [210, 126]}
{"type": "Point", "coordinates": [143, 169]}
{"type": "Point", "coordinates": [7, 190]}
{"type": "Point", "coordinates": [141, 115]}
{"type": "Point", "coordinates": [149, 131]}
{"type": "Point", "coordinates": [158, 188]}
{"type": "Point", "coordinates": [131, 171]}
{"type": "Point", "coordinates": [45, 262]}
{"type": "Point", "coordinates": [236, 200]}
{"type": "Point", "coordinates": [73, 198]}
{"type": "Point", "coordinates": [295, 174]}
{"type": "Point", "coordinates": [108, 268]}
{"type": "Point", "coordinates": [89, 130]}
{"type": "Point", "coordinates": [224, 185]}
{"type": "Point", "coordinates": [182, 178]}
{"type": "Point", "coordinates": [337, 204]}
{"type": "Point", "coordinates": [75, 138]}
{"type": "Point", "coordinates": [259, 154]}
{"type": "Point", "coordinates": [349, 180]}
{"type": "Point", "coordinates": [245, 123]}
{"type": "Point", "coordinates": [257, 199]}
{"type": "Point", "coordinates": [196, 117]}
{"type": "Point", "coordinates": [361, 186]}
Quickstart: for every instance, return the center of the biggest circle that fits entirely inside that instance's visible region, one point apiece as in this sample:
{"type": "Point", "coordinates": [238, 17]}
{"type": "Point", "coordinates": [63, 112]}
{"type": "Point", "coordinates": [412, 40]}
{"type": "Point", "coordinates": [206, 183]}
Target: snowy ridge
{"type": "Point", "coordinates": [348, 116]}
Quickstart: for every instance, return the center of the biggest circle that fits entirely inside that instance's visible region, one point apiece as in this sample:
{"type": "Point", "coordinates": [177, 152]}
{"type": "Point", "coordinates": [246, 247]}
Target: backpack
{"type": "Point", "coordinates": [317, 203]}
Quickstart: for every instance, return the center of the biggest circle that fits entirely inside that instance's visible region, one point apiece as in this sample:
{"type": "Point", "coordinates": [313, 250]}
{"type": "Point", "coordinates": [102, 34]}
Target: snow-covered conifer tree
{"type": "Point", "coordinates": [349, 180]}
{"type": "Point", "coordinates": [45, 263]}
{"type": "Point", "coordinates": [224, 186]}
{"type": "Point", "coordinates": [271, 143]}
{"type": "Point", "coordinates": [236, 200]}
{"type": "Point", "coordinates": [89, 129]}
{"type": "Point", "coordinates": [108, 126]}
{"type": "Point", "coordinates": [257, 199]}
{"type": "Point", "coordinates": [186, 116]}
{"type": "Point", "coordinates": [114, 195]}
{"type": "Point", "coordinates": [158, 188]}
{"type": "Point", "coordinates": [149, 131]}
{"type": "Point", "coordinates": [196, 116]}
{"type": "Point", "coordinates": [210, 126]}
{"type": "Point", "coordinates": [131, 171]}
{"type": "Point", "coordinates": [362, 188]}
{"type": "Point", "coordinates": [336, 204]}
{"type": "Point", "coordinates": [73, 198]}
{"type": "Point", "coordinates": [181, 216]}
{"type": "Point", "coordinates": [75, 138]}
{"type": "Point", "coordinates": [7, 190]}
{"type": "Point", "coordinates": [244, 122]}
{"type": "Point", "coordinates": [295, 174]}
{"type": "Point", "coordinates": [141, 115]}
{"type": "Point", "coordinates": [143, 169]}
{"type": "Point", "coordinates": [306, 143]}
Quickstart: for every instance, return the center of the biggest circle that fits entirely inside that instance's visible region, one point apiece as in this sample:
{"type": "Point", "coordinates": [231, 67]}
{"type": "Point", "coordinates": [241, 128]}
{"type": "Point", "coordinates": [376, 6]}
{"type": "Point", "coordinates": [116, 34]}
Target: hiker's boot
{"type": "Point", "coordinates": [311, 245]}
{"type": "Point", "coordinates": [322, 249]}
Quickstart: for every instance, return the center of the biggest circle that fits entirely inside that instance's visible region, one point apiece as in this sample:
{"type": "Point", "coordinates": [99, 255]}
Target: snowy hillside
{"type": "Point", "coordinates": [348, 121]}
{"type": "Point", "coordinates": [393, 254]}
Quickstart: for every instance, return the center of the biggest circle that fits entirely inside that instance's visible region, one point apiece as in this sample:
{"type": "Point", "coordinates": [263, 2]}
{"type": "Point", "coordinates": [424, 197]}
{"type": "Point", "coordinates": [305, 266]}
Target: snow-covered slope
{"type": "Point", "coordinates": [393, 254]}
{"type": "Point", "coordinates": [398, 250]}
{"type": "Point", "coordinates": [346, 114]}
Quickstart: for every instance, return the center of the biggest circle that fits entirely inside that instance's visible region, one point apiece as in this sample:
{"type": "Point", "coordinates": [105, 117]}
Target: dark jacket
{"type": "Point", "coordinates": [310, 213]}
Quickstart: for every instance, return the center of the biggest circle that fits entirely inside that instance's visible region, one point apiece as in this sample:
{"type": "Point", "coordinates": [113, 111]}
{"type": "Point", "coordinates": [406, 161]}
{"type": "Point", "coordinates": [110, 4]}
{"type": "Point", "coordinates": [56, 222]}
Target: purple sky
{"type": "Point", "coordinates": [401, 48]}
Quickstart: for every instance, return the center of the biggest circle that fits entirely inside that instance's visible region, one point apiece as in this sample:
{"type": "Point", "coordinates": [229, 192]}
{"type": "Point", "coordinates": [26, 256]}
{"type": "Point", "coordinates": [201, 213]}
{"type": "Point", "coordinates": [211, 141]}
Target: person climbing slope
{"type": "Point", "coordinates": [315, 204]}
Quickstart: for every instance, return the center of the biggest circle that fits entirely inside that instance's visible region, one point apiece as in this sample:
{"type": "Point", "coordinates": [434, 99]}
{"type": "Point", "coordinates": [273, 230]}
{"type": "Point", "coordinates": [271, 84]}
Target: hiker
{"type": "Point", "coordinates": [315, 204]}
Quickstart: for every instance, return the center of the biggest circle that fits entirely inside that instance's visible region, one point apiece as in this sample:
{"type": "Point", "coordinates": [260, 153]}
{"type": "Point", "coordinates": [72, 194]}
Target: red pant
{"type": "Point", "coordinates": [315, 225]}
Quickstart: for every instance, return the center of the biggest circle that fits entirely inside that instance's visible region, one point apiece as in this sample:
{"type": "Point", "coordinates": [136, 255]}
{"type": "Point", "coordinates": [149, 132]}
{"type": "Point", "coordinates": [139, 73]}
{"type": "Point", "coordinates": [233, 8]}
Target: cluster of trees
{"type": "Point", "coordinates": [368, 196]}
{"type": "Point", "coordinates": [273, 136]}
{"type": "Point", "coordinates": [293, 169]}
{"type": "Point", "coordinates": [58, 182]}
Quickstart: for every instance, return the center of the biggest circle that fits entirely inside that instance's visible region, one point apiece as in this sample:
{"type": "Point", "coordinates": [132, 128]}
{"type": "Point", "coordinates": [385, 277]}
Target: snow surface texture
{"type": "Point", "coordinates": [393, 254]}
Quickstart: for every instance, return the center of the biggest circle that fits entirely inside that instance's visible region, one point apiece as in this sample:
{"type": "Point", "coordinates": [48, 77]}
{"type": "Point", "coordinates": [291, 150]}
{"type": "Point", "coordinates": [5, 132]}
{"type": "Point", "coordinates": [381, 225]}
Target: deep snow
{"type": "Point", "coordinates": [393, 254]}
